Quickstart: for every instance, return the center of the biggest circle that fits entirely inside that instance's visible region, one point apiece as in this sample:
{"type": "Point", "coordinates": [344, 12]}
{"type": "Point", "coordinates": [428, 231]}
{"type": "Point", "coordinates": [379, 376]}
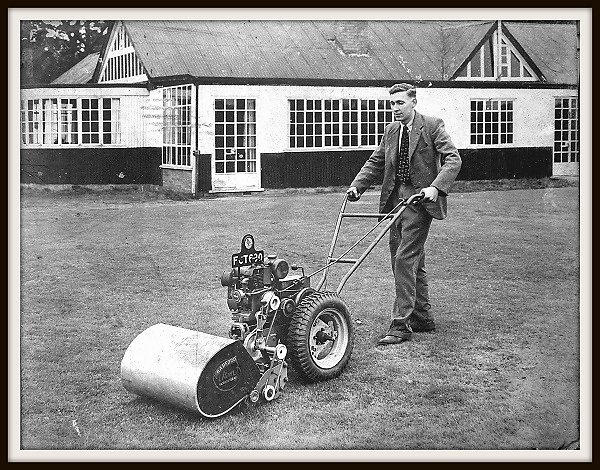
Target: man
{"type": "Point", "coordinates": [415, 155]}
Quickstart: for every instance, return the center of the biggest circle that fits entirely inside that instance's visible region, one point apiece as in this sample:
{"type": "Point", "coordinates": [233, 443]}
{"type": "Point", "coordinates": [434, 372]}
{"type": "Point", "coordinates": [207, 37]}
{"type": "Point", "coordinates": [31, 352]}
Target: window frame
{"type": "Point", "coordinates": [341, 122]}
{"type": "Point", "coordinates": [178, 140]}
{"type": "Point", "coordinates": [36, 126]}
{"type": "Point", "coordinates": [484, 116]}
{"type": "Point", "coordinates": [569, 130]}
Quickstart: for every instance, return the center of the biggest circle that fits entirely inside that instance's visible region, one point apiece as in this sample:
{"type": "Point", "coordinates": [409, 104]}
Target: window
{"type": "Point", "coordinates": [70, 121]}
{"type": "Point", "coordinates": [30, 121]}
{"type": "Point", "coordinates": [491, 122]}
{"type": "Point", "coordinates": [177, 125]}
{"type": "Point", "coordinates": [335, 123]}
{"type": "Point", "coordinates": [332, 124]}
{"type": "Point", "coordinates": [482, 63]}
{"type": "Point", "coordinates": [511, 63]}
{"type": "Point", "coordinates": [111, 121]}
{"type": "Point", "coordinates": [235, 135]}
{"type": "Point", "coordinates": [90, 121]}
{"type": "Point", "coordinates": [483, 66]}
{"type": "Point", "coordinates": [566, 130]}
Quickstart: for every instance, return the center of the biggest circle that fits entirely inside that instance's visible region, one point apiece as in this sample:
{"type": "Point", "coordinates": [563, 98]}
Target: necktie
{"type": "Point", "coordinates": [402, 172]}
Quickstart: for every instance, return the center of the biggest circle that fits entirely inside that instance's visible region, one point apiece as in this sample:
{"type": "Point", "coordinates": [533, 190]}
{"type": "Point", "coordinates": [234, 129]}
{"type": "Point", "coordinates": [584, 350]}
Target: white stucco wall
{"type": "Point", "coordinates": [533, 110]}
{"type": "Point", "coordinates": [141, 114]}
{"type": "Point", "coordinates": [272, 109]}
{"type": "Point", "coordinates": [151, 114]}
{"type": "Point", "coordinates": [141, 110]}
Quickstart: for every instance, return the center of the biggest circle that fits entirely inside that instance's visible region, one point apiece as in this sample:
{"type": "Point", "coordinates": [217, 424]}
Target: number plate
{"type": "Point", "coordinates": [247, 259]}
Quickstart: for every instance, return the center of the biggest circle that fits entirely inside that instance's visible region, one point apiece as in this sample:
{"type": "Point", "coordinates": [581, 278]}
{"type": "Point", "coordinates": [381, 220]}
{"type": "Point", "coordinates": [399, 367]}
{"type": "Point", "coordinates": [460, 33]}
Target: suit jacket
{"type": "Point", "coordinates": [434, 161]}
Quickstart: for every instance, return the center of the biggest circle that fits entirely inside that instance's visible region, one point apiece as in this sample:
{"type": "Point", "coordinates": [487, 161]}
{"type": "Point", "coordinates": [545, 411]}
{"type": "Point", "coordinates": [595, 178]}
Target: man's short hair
{"type": "Point", "coordinates": [410, 90]}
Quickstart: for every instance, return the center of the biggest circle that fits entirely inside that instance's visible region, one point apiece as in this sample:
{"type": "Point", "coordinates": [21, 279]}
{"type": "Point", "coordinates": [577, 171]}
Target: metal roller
{"type": "Point", "coordinates": [189, 369]}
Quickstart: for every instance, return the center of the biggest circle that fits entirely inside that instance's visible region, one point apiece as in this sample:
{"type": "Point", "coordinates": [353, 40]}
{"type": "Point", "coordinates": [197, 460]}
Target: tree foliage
{"type": "Point", "coordinates": [49, 48]}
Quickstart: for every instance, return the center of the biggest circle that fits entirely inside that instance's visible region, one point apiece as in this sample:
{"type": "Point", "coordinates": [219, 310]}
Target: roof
{"type": "Point", "coordinates": [552, 47]}
{"type": "Point", "coordinates": [81, 72]}
{"type": "Point", "coordinates": [348, 50]}
{"type": "Point", "coordinates": [306, 49]}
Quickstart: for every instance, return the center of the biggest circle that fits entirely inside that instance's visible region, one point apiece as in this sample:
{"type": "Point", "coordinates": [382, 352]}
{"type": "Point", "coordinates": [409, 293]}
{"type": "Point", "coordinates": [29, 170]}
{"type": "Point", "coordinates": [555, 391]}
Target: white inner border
{"type": "Point", "coordinates": [581, 14]}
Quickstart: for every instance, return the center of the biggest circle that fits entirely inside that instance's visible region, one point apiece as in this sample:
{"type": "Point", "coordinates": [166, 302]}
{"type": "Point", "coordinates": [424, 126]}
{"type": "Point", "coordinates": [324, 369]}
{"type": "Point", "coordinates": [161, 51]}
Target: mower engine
{"type": "Point", "coordinates": [262, 297]}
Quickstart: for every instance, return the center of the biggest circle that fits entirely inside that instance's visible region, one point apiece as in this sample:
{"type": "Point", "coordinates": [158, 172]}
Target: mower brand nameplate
{"type": "Point", "coordinates": [227, 374]}
{"type": "Point", "coordinates": [247, 259]}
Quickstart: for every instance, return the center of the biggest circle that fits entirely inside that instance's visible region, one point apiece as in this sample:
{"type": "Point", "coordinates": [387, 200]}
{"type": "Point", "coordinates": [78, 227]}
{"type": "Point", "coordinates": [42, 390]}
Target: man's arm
{"type": "Point", "coordinates": [452, 161]}
{"type": "Point", "coordinates": [369, 173]}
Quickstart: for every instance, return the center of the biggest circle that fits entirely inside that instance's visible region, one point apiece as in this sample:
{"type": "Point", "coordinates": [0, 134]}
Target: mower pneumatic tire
{"type": "Point", "coordinates": [320, 337]}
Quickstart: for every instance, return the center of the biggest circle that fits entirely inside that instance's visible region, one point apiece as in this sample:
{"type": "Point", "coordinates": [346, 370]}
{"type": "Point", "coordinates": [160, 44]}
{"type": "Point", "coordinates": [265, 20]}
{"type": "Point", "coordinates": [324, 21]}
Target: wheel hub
{"type": "Point", "coordinates": [326, 334]}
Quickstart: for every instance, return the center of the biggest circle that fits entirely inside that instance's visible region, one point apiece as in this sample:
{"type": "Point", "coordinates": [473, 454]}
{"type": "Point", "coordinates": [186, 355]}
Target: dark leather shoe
{"type": "Point", "coordinates": [420, 326]}
{"type": "Point", "coordinates": [392, 339]}
{"type": "Point", "coordinates": [396, 335]}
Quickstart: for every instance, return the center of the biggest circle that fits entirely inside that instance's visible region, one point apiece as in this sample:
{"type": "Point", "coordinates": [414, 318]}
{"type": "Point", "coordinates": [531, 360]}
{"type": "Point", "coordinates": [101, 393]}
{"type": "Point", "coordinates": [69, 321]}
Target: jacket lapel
{"type": "Point", "coordinates": [394, 142]}
{"type": "Point", "coordinates": [415, 134]}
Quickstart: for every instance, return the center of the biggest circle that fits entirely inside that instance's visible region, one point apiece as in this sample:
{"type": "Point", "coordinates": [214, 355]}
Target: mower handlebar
{"type": "Point", "coordinates": [415, 198]}
{"type": "Point", "coordinates": [411, 200]}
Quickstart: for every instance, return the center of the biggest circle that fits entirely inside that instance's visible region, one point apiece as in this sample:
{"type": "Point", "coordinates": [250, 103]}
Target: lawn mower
{"type": "Point", "coordinates": [276, 316]}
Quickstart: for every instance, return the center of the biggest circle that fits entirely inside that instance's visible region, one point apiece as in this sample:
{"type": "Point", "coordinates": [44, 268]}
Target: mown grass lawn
{"type": "Point", "coordinates": [500, 372]}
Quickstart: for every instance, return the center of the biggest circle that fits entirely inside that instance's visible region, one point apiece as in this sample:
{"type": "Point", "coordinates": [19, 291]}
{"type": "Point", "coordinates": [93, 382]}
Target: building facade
{"type": "Point", "coordinates": [242, 106]}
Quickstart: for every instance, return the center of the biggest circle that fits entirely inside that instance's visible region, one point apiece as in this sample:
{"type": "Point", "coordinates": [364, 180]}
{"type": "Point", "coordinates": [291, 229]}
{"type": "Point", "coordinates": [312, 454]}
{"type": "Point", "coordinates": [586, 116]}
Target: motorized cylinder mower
{"type": "Point", "coordinates": [276, 317]}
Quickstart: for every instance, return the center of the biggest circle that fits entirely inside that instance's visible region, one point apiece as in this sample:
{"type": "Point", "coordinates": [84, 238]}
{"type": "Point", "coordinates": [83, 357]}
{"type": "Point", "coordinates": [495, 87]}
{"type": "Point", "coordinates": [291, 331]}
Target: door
{"type": "Point", "coordinates": [236, 165]}
{"type": "Point", "coordinates": [566, 137]}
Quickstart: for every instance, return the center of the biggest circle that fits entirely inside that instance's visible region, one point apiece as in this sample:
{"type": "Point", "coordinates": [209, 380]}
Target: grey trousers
{"type": "Point", "coordinates": [407, 250]}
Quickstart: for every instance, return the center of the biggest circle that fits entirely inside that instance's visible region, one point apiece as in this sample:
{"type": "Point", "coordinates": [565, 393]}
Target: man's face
{"type": "Point", "coordinates": [402, 106]}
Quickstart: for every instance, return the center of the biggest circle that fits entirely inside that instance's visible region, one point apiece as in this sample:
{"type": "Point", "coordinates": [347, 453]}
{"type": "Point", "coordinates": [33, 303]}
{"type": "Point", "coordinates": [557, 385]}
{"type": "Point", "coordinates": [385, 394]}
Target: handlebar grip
{"type": "Point", "coordinates": [352, 197]}
{"type": "Point", "coordinates": [415, 198]}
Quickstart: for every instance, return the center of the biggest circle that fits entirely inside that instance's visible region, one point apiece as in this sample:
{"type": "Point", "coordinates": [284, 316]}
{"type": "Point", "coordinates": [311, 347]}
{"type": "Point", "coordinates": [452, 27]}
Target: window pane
{"type": "Point", "coordinates": [488, 59]}
{"type": "Point", "coordinates": [476, 64]}
{"type": "Point", "coordinates": [515, 65]}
